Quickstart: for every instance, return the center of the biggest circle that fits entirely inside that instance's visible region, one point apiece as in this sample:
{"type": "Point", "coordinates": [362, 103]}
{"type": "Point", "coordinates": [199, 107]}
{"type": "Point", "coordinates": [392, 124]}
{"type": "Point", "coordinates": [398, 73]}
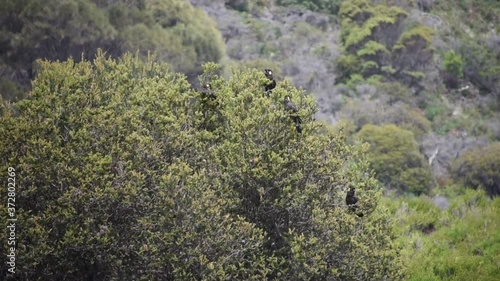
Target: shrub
{"type": "Point", "coordinates": [435, 108]}
{"type": "Point", "coordinates": [460, 243]}
{"type": "Point", "coordinates": [417, 180]}
{"type": "Point", "coordinates": [181, 35]}
{"type": "Point", "coordinates": [453, 64]}
{"type": "Point", "coordinates": [143, 178]}
{"type": "Point", "coordinates": [420, 215]}
{"type": "Point", "coordinates": [481, 65]}
{"type": "Point", "coordinates": [259, 64]}
{"type": "Point", "coordinates": [463, 249]}
{"type": "Point", "coordinates": [479, 168]}
{"type": "Point", "coordinates": [396, 159]}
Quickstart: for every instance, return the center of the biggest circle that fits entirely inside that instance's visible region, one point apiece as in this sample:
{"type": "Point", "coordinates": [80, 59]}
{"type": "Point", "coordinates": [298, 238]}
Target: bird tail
{"type": "Point", "coordinates": [299, 128]}
{"type": "Point", "coordinates": [353, 208]}
{"type": "Point", "coordinates": [298, 123]}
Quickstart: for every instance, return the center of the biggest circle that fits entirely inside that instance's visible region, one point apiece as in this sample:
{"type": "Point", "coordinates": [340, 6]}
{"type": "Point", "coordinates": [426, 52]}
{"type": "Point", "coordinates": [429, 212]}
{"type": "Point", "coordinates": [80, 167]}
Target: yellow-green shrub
{"type": "Point", "coordinates": [480, 167]}
{"type": "Point", "coordinates": [395, 157]}
{"type": "Point", "coordinates": [125, 172]}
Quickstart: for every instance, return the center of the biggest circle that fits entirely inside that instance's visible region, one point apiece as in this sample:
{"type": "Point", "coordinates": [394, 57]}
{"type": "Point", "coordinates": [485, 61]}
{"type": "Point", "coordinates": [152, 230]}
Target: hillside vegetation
{"type": "Point", "coordinates": [143, 178]}
{"type": "Point", "coordinates": [460, 242]}
{"type": "Point", "coordinates": [129, 169]}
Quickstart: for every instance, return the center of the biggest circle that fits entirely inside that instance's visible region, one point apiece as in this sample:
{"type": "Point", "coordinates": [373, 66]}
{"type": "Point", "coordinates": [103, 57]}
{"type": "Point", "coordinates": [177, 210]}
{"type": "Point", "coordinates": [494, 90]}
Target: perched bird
{"type": "Point", "coordinates": [209, 107]}
{"type": "Point", "coordinates": [207, 92]}
{"type": "Point", "coordinates": [290, 106]}
{"type": "Point", "coordinates": [269, 87]}
{"type": "Point", "coordinates": [351, 200]}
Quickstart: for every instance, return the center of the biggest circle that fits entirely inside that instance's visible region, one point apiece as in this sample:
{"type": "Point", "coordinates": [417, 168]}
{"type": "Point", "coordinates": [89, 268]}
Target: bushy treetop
{"type": "Point", "coordinates": [124, 172]}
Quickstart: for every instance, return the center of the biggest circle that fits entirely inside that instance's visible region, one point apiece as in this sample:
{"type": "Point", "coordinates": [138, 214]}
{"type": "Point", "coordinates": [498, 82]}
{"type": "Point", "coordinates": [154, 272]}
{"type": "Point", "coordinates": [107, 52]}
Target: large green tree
{"type": "Point", "coordinates": [123, 172]}
{"type": "Point", "coordinates": [181, 35]}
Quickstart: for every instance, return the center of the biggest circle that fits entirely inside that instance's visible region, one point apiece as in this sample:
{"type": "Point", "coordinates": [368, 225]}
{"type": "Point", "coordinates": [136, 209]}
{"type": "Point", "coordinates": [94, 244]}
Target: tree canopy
{"type": "Point", "coordinates": [125, 172]}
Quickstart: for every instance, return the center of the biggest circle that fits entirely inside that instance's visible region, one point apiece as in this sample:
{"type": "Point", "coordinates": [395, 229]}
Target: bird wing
{"type": "Point", "coordinates": [292, 107]}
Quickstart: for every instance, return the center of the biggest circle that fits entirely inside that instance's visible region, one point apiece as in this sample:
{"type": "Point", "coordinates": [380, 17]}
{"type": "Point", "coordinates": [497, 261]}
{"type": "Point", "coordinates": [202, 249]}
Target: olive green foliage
{"type": "Point", "coordinates": [328, 6]}
{"type": "Point", "coordinates": [480, 15]}
{"type": "Point", "coordinates": [124, 172]}
{"type": "Point", "coordinates": [474, 24]}
{"type": "Point", "coordinates": [482, 65]}
{"type": "Point", "coordinates": [480, 167]}
{"type": "Point", "coordinates": [378, 41]}
{"type": "Point", "coordinates": [472, 120]}
{"type": "Point", "coordinates": [10, 90]}
{"type": "Point", "coordinates": [420, 215]}
{"type": "Point", "coordinates": [413, 121]}
{"type": "Point", "coordinates": [458, 243]}
{"type": "Point", "coordinates": [395, 157]}
{"type": "Point", "coordinates": [438, 110]}
{"type": "Point", "coordinates": [182, 35]}
{"type": "Point", "coordinates": [247, 5]}
{"type": "Point", "coordinates": [453, 64]}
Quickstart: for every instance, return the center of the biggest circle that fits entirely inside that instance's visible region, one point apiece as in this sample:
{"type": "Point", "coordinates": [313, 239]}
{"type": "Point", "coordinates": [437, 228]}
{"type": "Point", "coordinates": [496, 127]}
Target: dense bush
{"type": "Point", "coordinates": [414, 215]}
{"type": "Point", "coordinates": [480, 168]}
{"type": "Point", "coordinates": [454, 68]}
{"type": "Point", "coordinates": [395, 157]}
{"type": "Point", "coordinates": [459, 243]}
{"type": "Point", "coordinates": [126, 173]}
